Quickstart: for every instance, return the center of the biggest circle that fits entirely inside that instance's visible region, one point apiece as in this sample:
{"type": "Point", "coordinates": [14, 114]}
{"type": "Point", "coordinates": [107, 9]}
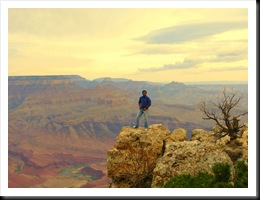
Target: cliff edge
{"type": "Point", "coordinates": [149, 158]}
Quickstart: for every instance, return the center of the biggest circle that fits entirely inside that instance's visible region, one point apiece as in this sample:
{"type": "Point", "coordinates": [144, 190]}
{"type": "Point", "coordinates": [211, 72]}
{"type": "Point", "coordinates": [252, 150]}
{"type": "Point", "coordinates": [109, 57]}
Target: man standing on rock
{"type": "Point", "coordinates": [144, 103]}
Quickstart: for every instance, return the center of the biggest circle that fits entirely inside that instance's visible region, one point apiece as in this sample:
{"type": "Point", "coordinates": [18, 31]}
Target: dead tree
{"type": "Point", "coordinates": [220, 112]}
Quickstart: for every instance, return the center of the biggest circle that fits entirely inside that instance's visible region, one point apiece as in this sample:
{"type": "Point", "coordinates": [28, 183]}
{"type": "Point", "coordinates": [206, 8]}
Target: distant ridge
{"type": "Point", "coordinates": [45, 80]}
{"type": "Point", "coordinates": [217, 82]}
{"type": "Point", "coordinates": [114, 80]}
{"type": "Point", "coordinates": [111, 79]}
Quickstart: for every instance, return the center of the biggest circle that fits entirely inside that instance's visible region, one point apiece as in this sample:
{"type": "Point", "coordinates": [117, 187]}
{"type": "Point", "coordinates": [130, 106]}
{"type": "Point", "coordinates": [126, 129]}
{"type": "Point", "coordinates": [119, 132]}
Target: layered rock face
{"type": "Point", "coordinates": [149, 158]}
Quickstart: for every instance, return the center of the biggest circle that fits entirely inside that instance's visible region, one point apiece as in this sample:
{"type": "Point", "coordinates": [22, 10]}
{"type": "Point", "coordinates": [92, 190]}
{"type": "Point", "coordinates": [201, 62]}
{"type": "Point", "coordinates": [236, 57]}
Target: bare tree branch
{"type": "Point", "coordinates": [228, 124]}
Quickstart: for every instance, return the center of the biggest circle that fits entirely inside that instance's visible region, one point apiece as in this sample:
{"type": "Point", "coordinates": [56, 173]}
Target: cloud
{"type": "Point", "coordinates": [194, 63]}
{"type": "Point", "coordinates": [156, 50]}
{"type": "Point", "coordinates": [230, 57]}
{"type": "Point", "coordinates": [237, 68]}
{"type": "Point", "coordinates": [188, 32]}
{"type": "Point", "coordinates": [186, 64]}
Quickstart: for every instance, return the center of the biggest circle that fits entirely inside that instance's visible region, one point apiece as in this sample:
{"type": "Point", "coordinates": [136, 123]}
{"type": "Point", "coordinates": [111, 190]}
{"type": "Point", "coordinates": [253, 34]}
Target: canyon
{"type": "Point", "coordinates": [60, 128]}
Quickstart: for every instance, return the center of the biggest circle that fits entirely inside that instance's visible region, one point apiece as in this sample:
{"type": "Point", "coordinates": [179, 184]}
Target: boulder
{"type": "Point", "coordinates": [188, 157]}
{"type": "Point", "coordinates": [135, 154]}
{"type": "Point", "coordinates": [179, 134]}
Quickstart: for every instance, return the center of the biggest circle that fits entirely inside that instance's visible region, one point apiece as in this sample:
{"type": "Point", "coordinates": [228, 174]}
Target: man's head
{"type": "Point", "coordinates": [144, 92]}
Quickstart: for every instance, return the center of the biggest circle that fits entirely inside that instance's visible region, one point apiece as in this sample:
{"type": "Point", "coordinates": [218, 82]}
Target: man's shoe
{"type": "Point", "coordinates": [135, 126]}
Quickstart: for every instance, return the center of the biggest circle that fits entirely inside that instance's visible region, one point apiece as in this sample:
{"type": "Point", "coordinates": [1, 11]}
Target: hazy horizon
{"type": "Point", "coordinates": [162, 82]}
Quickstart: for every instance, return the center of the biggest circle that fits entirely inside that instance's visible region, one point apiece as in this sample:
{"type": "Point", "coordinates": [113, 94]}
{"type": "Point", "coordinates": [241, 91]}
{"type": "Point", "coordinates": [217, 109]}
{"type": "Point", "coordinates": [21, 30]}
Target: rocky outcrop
{"type": "Point", "coordinates": [149, 158]}
{"type": "Point", "coordinates": [188, 157]}
{"type": "Point", "coordinates": [135, 155]}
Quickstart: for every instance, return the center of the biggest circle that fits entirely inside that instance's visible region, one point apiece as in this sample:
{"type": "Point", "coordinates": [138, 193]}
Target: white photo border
{"type": "Point", "coordinates": [134, 192]}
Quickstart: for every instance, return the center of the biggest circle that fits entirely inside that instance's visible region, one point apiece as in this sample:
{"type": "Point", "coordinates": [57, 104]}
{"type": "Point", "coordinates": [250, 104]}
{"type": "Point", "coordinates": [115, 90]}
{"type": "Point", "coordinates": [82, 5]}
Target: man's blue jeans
{"type": "Point", "coordinates": [139, 114]}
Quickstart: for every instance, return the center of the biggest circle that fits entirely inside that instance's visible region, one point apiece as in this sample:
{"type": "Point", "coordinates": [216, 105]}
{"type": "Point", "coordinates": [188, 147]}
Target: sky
{"type": "Point", "coordinates": [152, 44]}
